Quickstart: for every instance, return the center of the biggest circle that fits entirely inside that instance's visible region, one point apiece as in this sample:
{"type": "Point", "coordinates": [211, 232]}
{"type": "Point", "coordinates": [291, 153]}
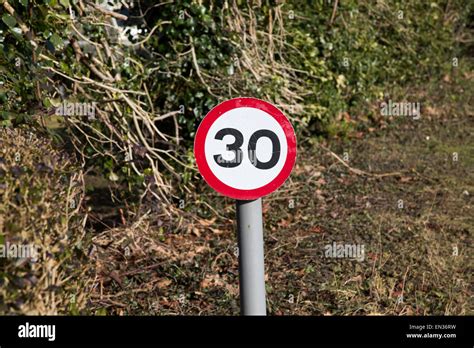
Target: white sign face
{"type": "Point", "coordinates": [245, 148]}
{"type": "Point", "coordinates": [270, 147]}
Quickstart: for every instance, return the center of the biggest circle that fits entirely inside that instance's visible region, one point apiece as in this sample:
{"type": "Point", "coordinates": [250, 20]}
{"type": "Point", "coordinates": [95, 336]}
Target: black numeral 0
{"type": "Point", "coordinates": [252, 148]}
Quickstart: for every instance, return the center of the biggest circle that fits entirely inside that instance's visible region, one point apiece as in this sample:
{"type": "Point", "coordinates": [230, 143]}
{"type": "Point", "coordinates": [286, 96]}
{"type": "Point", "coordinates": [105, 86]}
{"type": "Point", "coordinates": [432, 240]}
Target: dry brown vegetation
{"type": "Point", "coordinates": [41, 195]}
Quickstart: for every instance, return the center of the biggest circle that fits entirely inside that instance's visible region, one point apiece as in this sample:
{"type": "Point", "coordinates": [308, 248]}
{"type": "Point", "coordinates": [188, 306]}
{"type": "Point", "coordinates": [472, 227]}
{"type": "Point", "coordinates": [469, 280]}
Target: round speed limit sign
{"type": "Point", "coordinates": [245, 148]}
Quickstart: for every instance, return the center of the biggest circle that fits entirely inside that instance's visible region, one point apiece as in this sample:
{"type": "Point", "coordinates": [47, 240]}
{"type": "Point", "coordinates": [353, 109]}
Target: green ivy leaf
{"type": "Point", "coordinates": [64, 67]}
{"type": "Point", "coordinates": [10, 21]}
{"type": "Point", "coordinates": [47, 102]}
{"type": "Point", "coordinates": [56, 40]}
{"type": "Point", "coordinates": [17, 33]}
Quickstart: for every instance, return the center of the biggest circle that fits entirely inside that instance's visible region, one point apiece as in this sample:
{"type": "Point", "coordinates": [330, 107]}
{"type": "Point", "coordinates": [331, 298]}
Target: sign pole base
{"type": "Point", "coordinates": [251, 257]}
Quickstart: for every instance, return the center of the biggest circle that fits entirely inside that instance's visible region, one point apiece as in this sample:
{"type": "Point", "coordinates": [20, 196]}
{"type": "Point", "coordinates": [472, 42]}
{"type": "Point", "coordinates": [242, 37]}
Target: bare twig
{"type": "Point", "coordinates": [358, 171]}
{"type": "Point", "coordinates": [333, 15]}
{"type": "Point", "coordinates": [198, 71]}
{"type": "Point", "coordinates": [108, 12]}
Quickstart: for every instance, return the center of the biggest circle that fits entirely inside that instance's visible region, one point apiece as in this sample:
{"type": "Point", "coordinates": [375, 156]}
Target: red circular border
{"type": "Point", "coordinates": [205, 170]}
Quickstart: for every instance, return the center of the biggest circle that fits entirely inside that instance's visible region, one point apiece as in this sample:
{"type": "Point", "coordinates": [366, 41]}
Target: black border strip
{"type": "Point", "coordinates": [244, 330]}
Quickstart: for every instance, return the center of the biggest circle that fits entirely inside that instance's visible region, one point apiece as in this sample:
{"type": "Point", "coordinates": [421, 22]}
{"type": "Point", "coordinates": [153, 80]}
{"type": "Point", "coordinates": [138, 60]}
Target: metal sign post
{"type": "Point", "coordinates": [251, 258]}
{"type": "Point", "coordinates": [245, 148]}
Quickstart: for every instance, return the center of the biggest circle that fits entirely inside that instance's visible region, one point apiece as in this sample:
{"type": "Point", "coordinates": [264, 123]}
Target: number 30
{"type": "Point", "coordinates": [252, 147]}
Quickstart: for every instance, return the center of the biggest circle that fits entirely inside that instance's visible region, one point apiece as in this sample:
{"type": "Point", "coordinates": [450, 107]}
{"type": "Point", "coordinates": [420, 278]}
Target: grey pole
{"type": "Point", "coordinates": [251, 265]}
